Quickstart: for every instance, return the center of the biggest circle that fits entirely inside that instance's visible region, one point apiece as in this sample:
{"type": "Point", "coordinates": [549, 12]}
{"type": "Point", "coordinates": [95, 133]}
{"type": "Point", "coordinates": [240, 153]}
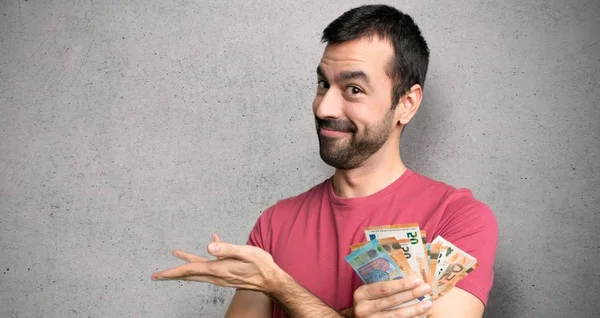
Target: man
{"type": "Point", "coordinates": [369, 86]}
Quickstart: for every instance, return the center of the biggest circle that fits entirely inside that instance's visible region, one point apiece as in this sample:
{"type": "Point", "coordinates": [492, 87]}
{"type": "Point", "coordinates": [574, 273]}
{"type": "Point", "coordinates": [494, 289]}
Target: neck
{"type": "Point", "coordinates": [379, 171]}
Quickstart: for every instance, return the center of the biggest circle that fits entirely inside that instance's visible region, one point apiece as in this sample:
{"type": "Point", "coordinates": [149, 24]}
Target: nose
{"type": "Point", "coordinates": [328, 105]}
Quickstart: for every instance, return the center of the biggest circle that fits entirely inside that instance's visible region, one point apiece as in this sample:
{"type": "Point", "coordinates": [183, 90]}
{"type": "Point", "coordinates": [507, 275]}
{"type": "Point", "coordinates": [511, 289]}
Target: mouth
{"type": "Point", "coordinates": [332, 133]}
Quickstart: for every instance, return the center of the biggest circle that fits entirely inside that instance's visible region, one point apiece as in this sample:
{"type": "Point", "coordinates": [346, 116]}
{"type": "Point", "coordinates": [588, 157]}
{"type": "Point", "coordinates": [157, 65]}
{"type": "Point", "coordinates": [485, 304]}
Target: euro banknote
{"type": "Point", "coordinates": [453, 265]}
{"type": "Point", "coordinates": [442, 263]}
{"type": "Point", "coordinates": [418, 261]}
{"type": "Point", "coordinates": [399, 250]}
{"type": "Point", "coordinates": [373, 264]}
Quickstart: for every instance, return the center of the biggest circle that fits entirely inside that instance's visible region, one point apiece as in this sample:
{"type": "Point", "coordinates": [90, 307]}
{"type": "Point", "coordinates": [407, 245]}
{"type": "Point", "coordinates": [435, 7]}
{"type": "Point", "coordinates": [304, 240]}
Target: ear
{"type": "Point", "coordinates": [409, 104]}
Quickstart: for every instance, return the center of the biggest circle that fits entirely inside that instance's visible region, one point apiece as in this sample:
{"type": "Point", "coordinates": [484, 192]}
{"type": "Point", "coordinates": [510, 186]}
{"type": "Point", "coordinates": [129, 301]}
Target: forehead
{"type": "Point", "coordinates": [370, 55]}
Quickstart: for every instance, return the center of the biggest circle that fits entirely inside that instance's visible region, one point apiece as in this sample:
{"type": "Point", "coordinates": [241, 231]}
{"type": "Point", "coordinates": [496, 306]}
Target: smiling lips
{"type": "Point", "coordinates": [331, 133]}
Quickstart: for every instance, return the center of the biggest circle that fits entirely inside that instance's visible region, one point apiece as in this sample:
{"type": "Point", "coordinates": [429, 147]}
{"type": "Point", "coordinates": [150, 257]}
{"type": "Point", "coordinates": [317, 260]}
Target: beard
{"type": "Point", "coordinates": [348, 153]}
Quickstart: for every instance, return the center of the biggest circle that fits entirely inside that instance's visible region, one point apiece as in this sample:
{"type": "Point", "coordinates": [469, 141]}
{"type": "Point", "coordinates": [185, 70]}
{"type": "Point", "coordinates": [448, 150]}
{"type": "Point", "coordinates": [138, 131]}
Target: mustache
{"type": "Point", "coordinates": [336, 125]}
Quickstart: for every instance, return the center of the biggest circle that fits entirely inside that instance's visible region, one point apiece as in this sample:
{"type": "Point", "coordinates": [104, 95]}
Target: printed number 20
{"type": "Point", "coordinates": [413, 237]}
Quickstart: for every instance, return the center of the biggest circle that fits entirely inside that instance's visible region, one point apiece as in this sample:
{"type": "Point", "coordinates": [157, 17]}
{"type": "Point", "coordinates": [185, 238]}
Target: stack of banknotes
{"type": "Point", "coordinates": [395, 251]}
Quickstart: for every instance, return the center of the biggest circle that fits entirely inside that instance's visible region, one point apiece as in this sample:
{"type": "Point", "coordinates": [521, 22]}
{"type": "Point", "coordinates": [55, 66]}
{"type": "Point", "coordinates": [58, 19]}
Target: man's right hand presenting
{"type": "Point", "coordinates": [375, 300]}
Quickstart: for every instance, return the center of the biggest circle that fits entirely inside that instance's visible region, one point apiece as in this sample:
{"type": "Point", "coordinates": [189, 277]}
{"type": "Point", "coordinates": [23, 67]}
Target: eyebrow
{"type": "Point", "coordinates": [347, 75]}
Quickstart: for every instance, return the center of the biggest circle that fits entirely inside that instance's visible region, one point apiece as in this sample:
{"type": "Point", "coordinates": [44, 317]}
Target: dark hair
{"type": "Point", "coordinates": [411, 54]}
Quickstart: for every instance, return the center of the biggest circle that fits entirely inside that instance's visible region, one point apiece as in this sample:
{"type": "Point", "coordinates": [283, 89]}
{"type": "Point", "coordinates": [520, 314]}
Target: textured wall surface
{"type": "Point", "coordinates": [129, 128]}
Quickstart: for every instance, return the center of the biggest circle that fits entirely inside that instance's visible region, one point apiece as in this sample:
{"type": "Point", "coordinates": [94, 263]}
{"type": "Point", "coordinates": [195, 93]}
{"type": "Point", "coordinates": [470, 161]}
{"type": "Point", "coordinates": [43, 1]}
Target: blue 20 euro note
{"type": "Point", "coordinates": [373, 264]}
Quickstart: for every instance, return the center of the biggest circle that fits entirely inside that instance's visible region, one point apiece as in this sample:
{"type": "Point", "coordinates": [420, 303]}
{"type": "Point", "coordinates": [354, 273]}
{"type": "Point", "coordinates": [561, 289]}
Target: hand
{"type": "Point", "coordinates": [237, 266]}
{"type": "Point", "coordinates": [376, 299]}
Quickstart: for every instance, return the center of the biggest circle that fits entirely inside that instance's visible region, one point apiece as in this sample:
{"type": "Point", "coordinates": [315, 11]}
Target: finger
{"type": "Point", "coordinates": [207, 279]}
{"type": "Point", "coordinates": [215, 238]}
{"type": "Point", "coordinates": [412, 311]}
{"type": "Point", "coordinates": [400, 298]}
{"type": "Point", "coordinates": [428, 313]}
{"type": "Point", "coordinates": [219, 268]}
{"type": "Point", "coordinates": [189, 269]}
{"type": "Point", "coordinates": [226, 250]}
{"type": "Point", "coordinates": [190, 258]}
{"type": "Point", "coordinates": [218, 272]}
{"type": "Point", "coordinates": [387, 288]}
{"type": "Point", "coordinates": [218, 281]}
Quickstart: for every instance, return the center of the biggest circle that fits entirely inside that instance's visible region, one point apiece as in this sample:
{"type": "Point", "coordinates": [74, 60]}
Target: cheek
{"type": "Point", "coordinates": [362, 116]}
{"type": "Point", "coordinates": [367, 117]}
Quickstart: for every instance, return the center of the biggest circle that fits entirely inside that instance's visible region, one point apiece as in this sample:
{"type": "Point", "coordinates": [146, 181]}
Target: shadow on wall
{"type": "Point", "coordinates": [506, 294]}
{"type": "Point", "coordinates": [421, 139]}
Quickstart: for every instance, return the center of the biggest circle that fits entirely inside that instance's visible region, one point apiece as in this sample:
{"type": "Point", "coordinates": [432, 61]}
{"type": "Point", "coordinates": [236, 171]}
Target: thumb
{"type": "Point", "coordinates": [215, 238]}
{"type": "Point", "coordinates": [226, 250]}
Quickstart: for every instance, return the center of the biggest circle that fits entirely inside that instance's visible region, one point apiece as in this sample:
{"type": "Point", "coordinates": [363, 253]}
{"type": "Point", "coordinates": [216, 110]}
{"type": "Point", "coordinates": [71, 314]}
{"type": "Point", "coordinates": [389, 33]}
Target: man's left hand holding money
{"type": "Point", "coordinates": [381, 299]}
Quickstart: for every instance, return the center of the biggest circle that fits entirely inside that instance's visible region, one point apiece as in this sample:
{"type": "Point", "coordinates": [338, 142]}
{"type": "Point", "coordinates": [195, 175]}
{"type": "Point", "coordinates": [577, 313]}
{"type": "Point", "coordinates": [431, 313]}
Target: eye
{"type": "Point", "coordinates": [353, 90]}
{"type": "Point", "coordinates": [322, 84]}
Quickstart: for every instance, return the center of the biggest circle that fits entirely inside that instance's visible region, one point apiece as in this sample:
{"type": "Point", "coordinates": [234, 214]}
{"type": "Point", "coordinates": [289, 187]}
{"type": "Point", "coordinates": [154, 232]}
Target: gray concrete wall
{"type": "Point", "coordinates": [129, 128]}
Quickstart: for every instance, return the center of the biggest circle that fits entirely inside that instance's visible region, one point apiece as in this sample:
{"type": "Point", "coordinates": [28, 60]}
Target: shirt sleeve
{"type": "Point", "coordinates": [260, 235]}
{"type": "Point", "coordinates": [471, 226]}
